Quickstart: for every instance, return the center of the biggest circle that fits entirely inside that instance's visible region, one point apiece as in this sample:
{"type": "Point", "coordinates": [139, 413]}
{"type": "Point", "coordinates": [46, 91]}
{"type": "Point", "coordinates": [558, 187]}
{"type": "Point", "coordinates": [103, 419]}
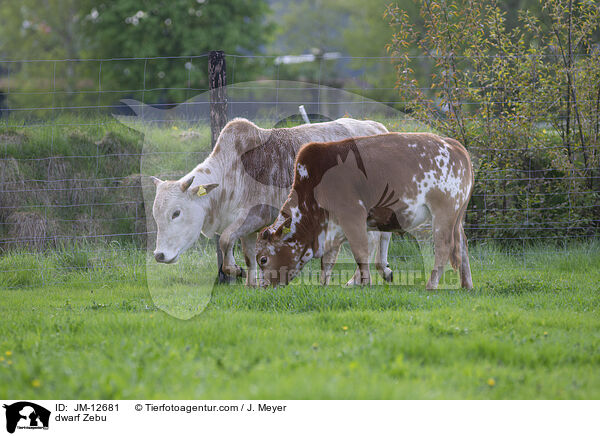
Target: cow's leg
{"type": "Point", "coordinates": [222, 277]}
{"type": "Point", "coordinates": [355, 280]}
{"type": "Point", "coordinates": [328, 261]}
{"type": "Point", "coordinates": [465, 268]}
{"type": "Point", "coordinates": [373, 256]}
{"type": "Point", "coordinates": [355, 228]}
{"type": "Point", "coordinates": [226, 243]}
{"type": "Point", "coordinates": [249, 248]}
{"type": "Point", "coordinates": [381, 262]}
{"type": "Point", "coordinates": [247, 222]}
{"type": "Point", "coordinates": [442, 244]}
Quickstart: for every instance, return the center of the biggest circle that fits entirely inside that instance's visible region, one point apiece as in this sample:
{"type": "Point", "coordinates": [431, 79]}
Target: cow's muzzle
{"type": "Point", "coordinates": [160, 258]}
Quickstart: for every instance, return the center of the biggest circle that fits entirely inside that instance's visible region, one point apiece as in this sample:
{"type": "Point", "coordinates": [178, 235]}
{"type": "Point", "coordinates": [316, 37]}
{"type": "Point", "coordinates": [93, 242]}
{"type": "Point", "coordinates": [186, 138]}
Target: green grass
{"type": "Point", "coordinates": [521, 333]}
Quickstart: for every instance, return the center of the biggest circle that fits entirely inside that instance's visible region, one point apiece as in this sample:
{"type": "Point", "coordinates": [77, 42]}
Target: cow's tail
{"type": "Point", "coordinates": [455, 255]}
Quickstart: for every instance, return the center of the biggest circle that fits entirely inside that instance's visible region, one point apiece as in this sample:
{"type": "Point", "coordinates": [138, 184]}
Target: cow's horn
{"type": "Point", "coordinates": [266, 234]}
{"type": "Point", "coordinates": [156, 180]}
{"type": "Point", "coordinates": [186, 184]}
{"type": "Point", "coordinates": [280, 223]}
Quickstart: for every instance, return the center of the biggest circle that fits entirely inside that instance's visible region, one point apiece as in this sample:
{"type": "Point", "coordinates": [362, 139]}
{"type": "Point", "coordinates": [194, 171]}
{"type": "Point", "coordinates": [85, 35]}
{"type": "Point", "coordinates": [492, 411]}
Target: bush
{"type": "Point", "coordinates": [524, 101]}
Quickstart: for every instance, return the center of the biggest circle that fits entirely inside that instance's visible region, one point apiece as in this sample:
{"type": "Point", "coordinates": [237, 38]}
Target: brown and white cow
{"type": "Point", "coordinates": [389, 182]}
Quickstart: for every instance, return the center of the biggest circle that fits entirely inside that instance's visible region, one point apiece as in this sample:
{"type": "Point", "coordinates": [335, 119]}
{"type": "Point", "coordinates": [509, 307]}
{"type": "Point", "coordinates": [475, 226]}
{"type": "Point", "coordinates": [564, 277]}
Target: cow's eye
{"type": "Point", "coordinates": [175, 214]}
{"type": "Point", "coordinates": [263, 260]}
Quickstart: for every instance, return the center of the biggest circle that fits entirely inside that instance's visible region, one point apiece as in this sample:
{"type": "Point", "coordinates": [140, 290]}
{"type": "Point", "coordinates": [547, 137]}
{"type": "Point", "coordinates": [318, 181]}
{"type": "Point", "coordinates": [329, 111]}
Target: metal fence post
{"type": "Point", "coordinates": [218, 118]}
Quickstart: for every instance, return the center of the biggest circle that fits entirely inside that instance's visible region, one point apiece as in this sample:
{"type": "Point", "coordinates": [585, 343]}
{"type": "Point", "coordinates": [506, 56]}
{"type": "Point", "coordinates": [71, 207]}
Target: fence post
{"type": "Point", "coordinates": [218, 118]}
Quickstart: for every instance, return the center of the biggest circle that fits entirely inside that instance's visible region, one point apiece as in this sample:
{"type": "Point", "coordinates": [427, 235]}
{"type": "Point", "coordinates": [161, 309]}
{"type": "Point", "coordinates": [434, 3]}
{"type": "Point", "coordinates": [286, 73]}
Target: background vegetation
{"type": "Point", "coordinates": [517, 82]}
{"type": "Point", "coordinates": [525, 100]}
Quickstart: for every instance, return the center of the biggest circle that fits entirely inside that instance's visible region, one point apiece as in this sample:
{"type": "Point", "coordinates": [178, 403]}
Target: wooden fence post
{"type": "Point", "coordinates": [218, 119]}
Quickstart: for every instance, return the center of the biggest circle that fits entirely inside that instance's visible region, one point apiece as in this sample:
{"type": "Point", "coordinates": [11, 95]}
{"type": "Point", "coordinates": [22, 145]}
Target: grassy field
{"type": "Point", "coordinates": [529, 329]}
{"type": "Point", "coordinates": [80, 314]}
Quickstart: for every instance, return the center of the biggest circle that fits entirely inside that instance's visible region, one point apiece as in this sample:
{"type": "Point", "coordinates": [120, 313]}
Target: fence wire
{"type": "Point", "coordinates": [71, 189]}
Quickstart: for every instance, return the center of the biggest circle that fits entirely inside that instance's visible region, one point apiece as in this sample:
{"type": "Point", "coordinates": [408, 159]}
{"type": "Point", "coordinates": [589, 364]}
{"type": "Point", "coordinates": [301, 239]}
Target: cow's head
{"type": "Point", "coordinates": [280, 253]}
{"type": "Point", "coordinates": [179, 211]}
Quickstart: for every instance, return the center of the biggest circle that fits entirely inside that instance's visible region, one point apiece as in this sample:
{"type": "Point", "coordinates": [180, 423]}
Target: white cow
{"type": "Point", "coordinates": [239, 189]}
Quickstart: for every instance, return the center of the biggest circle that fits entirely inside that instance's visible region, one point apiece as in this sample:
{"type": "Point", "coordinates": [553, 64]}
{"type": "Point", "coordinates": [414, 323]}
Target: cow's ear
{"type": "Point", "coordinates": [201, 190]}
{"type": "Point", "coordinates": [186, 184]}
{"type": "Point", "coordinates": [265, 235]}
{"type": "Point", "coordinates": [210, 187]}
{"type": "Point", "coordinates": [156, 180]}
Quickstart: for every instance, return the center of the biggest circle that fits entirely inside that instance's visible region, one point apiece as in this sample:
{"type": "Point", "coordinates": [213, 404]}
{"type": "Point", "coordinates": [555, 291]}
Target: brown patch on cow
{"type": "Point", "coordinates": [223, 195]}
{"type": "Point", "coordinates": [318, 157]}
{"type": "Point", "coordinates": [269, 161]}
{"type": "Point", "coordinates": [383, 219]}
{"type": "Point", "coordinates": [259, 214]}
{"type": "Point", "coordinates": [387, 198]}
{"type": "Point", "coordinates": [383, 216]}
{"type": "Point", "coordinates": [212, 208]}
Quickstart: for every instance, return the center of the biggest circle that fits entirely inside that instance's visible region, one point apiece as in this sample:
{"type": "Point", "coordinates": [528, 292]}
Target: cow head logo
{"type": "Point", "coordinates": [183, 213]}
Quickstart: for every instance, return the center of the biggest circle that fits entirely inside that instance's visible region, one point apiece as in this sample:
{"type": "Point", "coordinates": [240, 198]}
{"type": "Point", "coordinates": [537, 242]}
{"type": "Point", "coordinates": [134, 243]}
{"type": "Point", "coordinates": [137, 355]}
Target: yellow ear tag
{"type": "Point", "coordinates": [201, 191]}
{"type": "Point", "coordinates": [286, 230]}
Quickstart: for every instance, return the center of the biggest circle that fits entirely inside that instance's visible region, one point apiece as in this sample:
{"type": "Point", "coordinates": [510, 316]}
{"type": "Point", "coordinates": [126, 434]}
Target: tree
{"type": "Point", "coordinates": [42, 30]}
{"type": "Point", "coordinates": [525, 100]}
{"type": "Point", "coordinates": [161, 28]}
{"type": "Point", "coordinates": [99, 29]}
{"type": "Point", "coordinates": [354, 28]}
{"type": "Point", "coordinates": [367, 35]}
{"type": "Point", "coordinates": [49, 29]}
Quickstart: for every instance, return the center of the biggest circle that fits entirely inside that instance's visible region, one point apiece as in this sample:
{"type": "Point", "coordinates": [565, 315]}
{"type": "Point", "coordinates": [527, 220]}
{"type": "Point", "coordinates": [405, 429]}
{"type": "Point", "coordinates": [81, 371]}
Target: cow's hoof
{"type": "Point", "coordinates": [223, 278]}
{"type": "Point", "coordinates": [233, 272]}
{"type": "Point", "coordinates": [388, 274]}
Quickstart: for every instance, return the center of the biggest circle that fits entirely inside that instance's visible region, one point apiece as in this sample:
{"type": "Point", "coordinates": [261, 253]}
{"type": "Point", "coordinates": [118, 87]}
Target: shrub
{"type": "Point", "coordinates": [525, 102]}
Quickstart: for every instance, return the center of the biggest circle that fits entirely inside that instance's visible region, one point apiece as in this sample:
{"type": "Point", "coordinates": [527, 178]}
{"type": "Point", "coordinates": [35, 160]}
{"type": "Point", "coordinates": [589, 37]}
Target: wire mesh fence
{"type": "Point", "coordinates": [71, 175]}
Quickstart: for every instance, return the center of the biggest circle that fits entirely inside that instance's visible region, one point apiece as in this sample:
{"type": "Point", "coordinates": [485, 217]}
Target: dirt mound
{"type": "Point", "coordinates": [28, 229]}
